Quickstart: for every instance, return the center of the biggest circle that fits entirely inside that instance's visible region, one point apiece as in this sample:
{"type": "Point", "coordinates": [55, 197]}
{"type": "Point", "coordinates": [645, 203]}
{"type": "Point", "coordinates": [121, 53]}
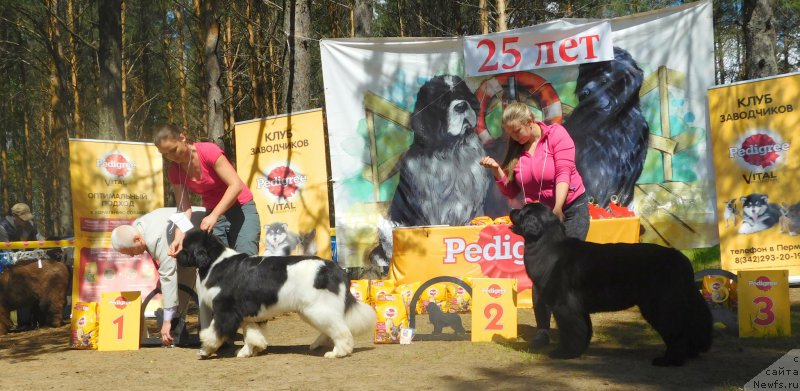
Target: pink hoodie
{"type": "Point", "coordinates": [553, 161]}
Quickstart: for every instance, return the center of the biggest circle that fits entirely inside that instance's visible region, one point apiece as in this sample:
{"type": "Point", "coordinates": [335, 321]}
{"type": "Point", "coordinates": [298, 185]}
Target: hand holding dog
{"type": "Point", "coordinates": [207, 225]}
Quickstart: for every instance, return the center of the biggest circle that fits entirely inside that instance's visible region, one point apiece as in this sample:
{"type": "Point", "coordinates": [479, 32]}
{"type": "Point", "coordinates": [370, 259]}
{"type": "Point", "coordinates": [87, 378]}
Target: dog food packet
{"type": "Point", "coordinates": [481, 220]}
{"type": "Point", "coordinates": [360, 290]}
{"type": "Point", "coordinates": [503, 220]}
{"type": "Point", "coordinates": [406, 292]}
{"type": "Point", "coordinates": [84, 325]}
{"type": "Point", "coordinates": [458, 299]}
{"type": "Point", "coordinates": [436, 293]}
{"type": "Point", "coordinates": [716, 289]}
{"type": "Point", "coordinates": [392, 319]}
{"type": "Point", "coordinates": [380, 287]}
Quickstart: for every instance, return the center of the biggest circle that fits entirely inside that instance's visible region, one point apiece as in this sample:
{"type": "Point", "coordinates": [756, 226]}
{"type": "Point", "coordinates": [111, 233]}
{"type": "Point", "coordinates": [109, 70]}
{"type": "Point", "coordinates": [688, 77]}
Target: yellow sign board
{"type": "Point", "coordinates": [754, 136]}
{"type": "Point", "coordinates": [120, 316]}
{"type": "Point", "coordinates": [282, 160]}
{"type": "Point", "coordinates": [764, 303]}
{"type": "Point", "coordinates": [491, 251]}
{"type": "Point", "coordinates": [112, 183]}
{"type": "Point", "coordinates": [494, 309]}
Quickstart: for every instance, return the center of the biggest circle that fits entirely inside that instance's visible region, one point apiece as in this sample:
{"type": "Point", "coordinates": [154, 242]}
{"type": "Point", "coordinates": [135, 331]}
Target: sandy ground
{"type": "Point", "coordinates": [618, 358]}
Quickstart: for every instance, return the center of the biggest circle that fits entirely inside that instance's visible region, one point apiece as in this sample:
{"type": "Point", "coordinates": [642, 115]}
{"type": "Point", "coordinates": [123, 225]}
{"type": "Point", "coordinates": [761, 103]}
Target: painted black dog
{"type": "Point", "coordinates": [577, 278]}
{"type": "Point", "coordinates": [610, 132]}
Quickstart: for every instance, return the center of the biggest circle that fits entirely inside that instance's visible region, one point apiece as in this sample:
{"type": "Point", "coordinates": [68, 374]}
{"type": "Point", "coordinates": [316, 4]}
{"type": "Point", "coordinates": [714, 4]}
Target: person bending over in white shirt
{"type": "Point", "coordinates": [153, 232]}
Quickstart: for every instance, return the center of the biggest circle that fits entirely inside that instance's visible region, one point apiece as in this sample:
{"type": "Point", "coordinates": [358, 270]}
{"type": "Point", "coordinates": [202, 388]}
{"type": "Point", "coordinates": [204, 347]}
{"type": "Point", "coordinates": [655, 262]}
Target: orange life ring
{"type": "Point", "coordinates": [540, 89]}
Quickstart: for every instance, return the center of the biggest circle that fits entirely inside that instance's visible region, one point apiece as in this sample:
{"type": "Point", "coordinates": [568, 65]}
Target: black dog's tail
{"type": "Point", "coordinates": [701, 324]}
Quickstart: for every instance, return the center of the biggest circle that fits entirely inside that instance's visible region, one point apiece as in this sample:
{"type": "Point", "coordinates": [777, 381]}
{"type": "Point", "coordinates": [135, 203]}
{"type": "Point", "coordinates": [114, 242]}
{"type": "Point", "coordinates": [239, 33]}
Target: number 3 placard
{"type": "Point", "coordinates": [764, 303]}
{"type": "Point", "coordinates": [494, 309]}
{"type": "Point", "coordinates": [120, 317]}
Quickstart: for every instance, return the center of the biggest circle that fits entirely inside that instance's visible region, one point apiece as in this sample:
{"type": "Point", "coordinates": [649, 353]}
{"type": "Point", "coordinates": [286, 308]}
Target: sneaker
{"type": "Point", "coordinates": [541, 339]}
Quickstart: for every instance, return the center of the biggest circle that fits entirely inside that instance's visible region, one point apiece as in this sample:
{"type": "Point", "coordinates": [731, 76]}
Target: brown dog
{"type": "Point", "coordinates": [43, 289]}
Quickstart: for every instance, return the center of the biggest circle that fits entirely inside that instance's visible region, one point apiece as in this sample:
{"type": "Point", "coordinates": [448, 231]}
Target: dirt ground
{"type": "Point", "coordinates": [618, 358]}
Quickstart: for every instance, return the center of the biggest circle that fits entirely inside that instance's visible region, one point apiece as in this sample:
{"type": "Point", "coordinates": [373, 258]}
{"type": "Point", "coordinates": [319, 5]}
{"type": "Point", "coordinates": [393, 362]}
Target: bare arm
{"type": "Point", "coordinates": [227, 173]}
{"type": "Point", "coordinates": [562, 188]}
{"type": "Point", "coordinates": [181, 194]}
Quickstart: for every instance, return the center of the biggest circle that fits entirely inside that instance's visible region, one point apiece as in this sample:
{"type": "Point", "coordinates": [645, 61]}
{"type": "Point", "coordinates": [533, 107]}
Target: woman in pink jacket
{"type": "Point", "coordinates": [540, 162]}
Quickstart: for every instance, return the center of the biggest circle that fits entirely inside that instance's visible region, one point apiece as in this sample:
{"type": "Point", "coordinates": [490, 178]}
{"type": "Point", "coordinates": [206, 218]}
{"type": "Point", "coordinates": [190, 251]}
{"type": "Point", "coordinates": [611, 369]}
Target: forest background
{"type": "Point", "coordinates": [115, 69]}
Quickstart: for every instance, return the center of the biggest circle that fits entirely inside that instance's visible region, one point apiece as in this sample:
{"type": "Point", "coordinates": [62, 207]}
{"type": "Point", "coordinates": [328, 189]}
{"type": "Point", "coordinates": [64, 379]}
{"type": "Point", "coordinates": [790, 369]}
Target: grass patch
{"type": "Point", "coordinates": [703, 258]}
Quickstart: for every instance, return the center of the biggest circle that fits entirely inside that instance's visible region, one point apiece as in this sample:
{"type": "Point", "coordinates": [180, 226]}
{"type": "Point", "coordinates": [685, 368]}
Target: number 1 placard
{"type": "Point", "coordinates": [494, 309]}
{"type": "Point", "coordinates": [120, 315]}
{"type": "Point", "coordinates": [764, 303]}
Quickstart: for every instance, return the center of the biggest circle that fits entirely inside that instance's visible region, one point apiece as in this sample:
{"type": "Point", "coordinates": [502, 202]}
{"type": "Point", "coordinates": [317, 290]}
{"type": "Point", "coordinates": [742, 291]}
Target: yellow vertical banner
{"type": "Point", "coordinates": [764, 303]}
{"type": "Point", "coordinates": [113, 183]}
{"type": "Point", "coordinates": [494, 309]}
{"type": "Point", "coordinates": [282, 160]}
{"type": "Point", "coordinates": [120, 320]}
{"type": "Point", "coordinates": [754, 133]}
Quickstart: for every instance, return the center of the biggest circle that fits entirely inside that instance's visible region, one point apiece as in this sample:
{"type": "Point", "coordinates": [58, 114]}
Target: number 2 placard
{"type": "Point", "coordinates": [494, 310]}
{"type": "Point", "coordinates": [120, 317]}
{"type": "Point", "coordinates": [764, 303]}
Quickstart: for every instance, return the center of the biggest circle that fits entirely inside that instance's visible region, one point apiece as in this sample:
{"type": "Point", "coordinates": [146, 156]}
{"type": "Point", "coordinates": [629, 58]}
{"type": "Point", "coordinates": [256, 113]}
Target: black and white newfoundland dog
{"type": "Point", "coordinates": [245, 291]}
{"type": "Point", "coordinates": [611, 135]}
{"type": "Point", "coordinates": [440, 180]}
{"type": "Point", "coordinates": [577, 278]}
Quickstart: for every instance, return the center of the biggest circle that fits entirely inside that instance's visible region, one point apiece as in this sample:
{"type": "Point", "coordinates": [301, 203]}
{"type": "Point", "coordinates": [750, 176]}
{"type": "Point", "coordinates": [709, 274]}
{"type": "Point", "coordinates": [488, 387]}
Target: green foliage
{"type": "Point", "coordinates": [704, 258]}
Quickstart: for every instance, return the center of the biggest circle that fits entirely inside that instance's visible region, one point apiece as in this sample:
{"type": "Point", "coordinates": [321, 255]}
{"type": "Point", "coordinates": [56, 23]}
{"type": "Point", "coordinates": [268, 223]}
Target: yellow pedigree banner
{"type": "Point", "coordinates": [764, 303]}
{"type": "Point", "coordinates": [492, 251]}
{"type": "Point", "coordinates": [282, 160]}
{"type": "Point", "coordinates": [754, 132]}
{"type": "Point", "coordinates": [113, 183]}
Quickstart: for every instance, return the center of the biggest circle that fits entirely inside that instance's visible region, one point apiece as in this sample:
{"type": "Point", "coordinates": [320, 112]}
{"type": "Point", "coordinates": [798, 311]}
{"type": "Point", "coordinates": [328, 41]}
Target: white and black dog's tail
{"type": "Point", "coordinates": [359, 316]}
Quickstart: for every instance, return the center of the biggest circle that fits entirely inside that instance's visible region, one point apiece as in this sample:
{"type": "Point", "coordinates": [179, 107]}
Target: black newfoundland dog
{"type": "Point", "coordinates": [610, 133]}
{"type": "Point", "coordinates": [246, 291]}
{"type": "Point", "coordinates": [577, 278]}
{"type": "Point", "coordinates": [441, 181]}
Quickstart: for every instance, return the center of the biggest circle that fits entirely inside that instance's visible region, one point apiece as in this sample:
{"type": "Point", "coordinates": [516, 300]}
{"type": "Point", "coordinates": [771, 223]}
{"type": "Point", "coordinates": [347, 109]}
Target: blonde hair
{"type": "Point", "coordinates": [514, 112]}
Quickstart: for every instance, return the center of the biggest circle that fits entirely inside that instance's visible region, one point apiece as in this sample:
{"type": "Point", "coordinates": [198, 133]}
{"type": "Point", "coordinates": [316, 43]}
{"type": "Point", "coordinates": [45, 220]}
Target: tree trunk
{"type": "Point", "coordinates": [73, 71]}
{"type": "Point", "coordinates": [215, 124]}
{"type": "Point", "coordinates": [273, 78]}
{"type": "Point", "coordinates": [298, 68]}
{"type": "Point", "coordinates": [123, 69]}
{"type": "Point", "coordinates": [4, 172]}
{"type": "Point", "coordinates": [57, 202]}
{"type": "Point", "coordinates": [362, 18]}
{"type": "Point", "coordinates": [501, 15]}
{"type": "Point", "coordinates": [230, 60]}
{"type": "Point", "coordinates": [400, 16]}
{"type": "Point", "coordinates": [759, 39]}
{"type": "Point", "coordinates": [110, 118]}
{"type": "Point", "coordinates": [166, 35]}
{"type": "Point", "coordinates": [484, 12]}
{"type": "Point", "coordinates": [201, 46]}
{"type": "Point", "coordinates": [255, 55]}
{"type": "Point", "coordinates": [182, 70]}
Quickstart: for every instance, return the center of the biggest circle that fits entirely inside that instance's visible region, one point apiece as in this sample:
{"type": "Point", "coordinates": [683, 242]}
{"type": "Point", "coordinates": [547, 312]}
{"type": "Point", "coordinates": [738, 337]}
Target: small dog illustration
{"type": "Point", "coordinates": [441, 320]}
{"type": "Point", "coordinates": [789, 221]}
{"type": "Point", "coordinates": [758, 213]}
{"type": "Point", "coordinates": [731, 211]}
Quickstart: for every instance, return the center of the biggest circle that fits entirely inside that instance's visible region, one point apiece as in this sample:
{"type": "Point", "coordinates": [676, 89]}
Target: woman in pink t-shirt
{"type": "Point", "coordinates": [203, 169]}
{"type": "Point", "coordinates": [540, 162]}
